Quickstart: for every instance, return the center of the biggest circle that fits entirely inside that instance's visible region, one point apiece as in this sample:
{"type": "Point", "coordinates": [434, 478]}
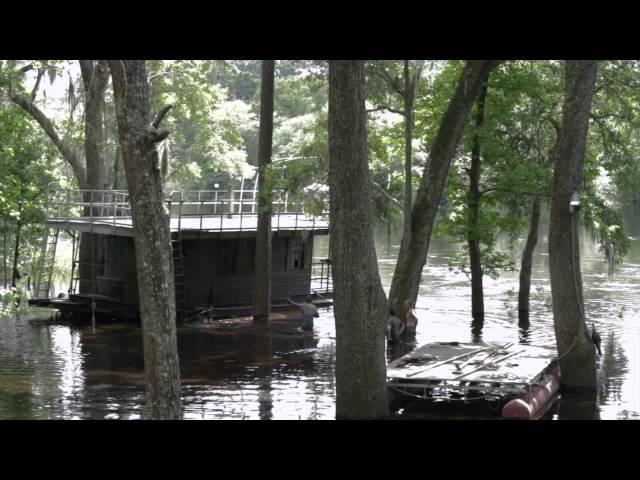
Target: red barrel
{"type": "Point", "coordinates": [534, 403]}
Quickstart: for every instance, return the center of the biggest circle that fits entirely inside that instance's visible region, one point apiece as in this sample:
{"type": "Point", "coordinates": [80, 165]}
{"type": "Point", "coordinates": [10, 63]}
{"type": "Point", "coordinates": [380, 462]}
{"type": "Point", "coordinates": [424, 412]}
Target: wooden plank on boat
{"type": "Point", "coordinates": [485, 365]}
{"type": "Point", "coordinates": [448, 360]}
{"type": "Point", "coordinates": [494, 350]}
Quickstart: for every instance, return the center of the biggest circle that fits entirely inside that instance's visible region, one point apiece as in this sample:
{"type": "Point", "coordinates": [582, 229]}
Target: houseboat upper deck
{"type": "Point", "coordinates": [196, 214]}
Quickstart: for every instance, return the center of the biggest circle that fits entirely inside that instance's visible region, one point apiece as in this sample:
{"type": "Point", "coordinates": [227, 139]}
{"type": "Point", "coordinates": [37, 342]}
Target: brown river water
{"type": "Point", "coordinates": [234, 370]}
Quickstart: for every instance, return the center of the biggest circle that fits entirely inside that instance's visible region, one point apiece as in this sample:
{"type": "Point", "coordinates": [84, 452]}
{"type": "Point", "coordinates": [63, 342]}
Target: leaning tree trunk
{"type": "Point", "coordinates": [359, 300]}
{"type": "Point", "coordinates": [262, 307]}
{"type": "Point", "coordinates": [576, 351]}
{"type": "Point", "coordinates": [154, 263]}
{"type": "Point", "coordinates": [409, 96]}
{"type": "Point", "coordinates": [413, 254]}
{"type": "Point", "coordinates": [473, 233]}
{"type": "Point", "coordinates": [526, 265]}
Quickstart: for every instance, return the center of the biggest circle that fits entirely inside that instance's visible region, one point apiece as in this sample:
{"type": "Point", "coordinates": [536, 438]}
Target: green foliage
{"type": "Point", "coordinates": [206, 126]}
{"type": "Point", "coordinates": [9, 301]}
{"type": "Point", "coordinates": [607, 227]}
{"type": "Point", "coordinates": [28, 166]}
{"type": "Point", "coordinates": [515, 143]}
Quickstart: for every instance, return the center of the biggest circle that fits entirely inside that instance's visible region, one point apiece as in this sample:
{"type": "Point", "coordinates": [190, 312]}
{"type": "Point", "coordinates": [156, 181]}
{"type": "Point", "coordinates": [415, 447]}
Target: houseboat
{"type": "Point", "coordinates": [213, 238]}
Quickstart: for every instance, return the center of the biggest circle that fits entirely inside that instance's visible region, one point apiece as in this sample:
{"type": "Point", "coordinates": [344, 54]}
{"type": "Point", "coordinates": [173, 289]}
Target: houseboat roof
{"type": "Point", "coordinates": [213, 226]}
{"type": "Point", "coordinates": [195, 214]}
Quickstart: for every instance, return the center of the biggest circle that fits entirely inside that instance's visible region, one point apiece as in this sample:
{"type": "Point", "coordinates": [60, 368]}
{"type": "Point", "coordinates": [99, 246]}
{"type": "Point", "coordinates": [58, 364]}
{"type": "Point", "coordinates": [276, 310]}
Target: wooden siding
{"type": "Point", "coordinates": [217, 271]}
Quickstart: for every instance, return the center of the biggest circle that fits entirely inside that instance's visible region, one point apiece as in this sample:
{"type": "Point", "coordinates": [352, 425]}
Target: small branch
{"type": "Point", "coordinates": [35, 87]}
{"type": "Point", "coordinates": [394, 82]}
{"type": "Point", "coordinates": [506, 190]}
{"type": "Point", "coordinates": [161, 134]}
{"type": "Point", "coordinates": [26, 68]}
{"type": "Point", "coordinates": [381, 190]}
{"type": "Point", "coordinates": [385, 107]}
{"type": "Point", "coordinates": [161, 114]}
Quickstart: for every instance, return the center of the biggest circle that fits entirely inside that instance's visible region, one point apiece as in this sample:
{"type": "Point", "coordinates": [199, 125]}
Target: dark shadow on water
{"type": "Point", "coordinates": [523, 327]}
{"type": "Point", "coordinates": [477, 325]}
{"type": "Point", "coordinates": [578, 405]}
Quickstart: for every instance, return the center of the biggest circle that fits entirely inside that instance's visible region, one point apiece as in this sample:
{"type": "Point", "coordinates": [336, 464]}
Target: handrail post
{"type": "Point", "coordinates": [221, 214]}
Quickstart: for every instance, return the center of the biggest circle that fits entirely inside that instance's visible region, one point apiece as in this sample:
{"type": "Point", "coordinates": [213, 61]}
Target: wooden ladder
{"type": "Point", "coordinates": [75, 264]}
{"type": "Point", "coordinates": [178, 275]}
{"type": "Point", "coordinates": [47, 262]}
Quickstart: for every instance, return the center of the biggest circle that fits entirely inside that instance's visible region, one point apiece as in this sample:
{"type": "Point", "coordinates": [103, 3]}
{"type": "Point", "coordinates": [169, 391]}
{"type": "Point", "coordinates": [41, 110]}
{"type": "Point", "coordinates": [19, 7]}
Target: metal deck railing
{"type": "Point", "coordinates": [210, 210]}
{"type": "Point", "coordinates": [321, 280]}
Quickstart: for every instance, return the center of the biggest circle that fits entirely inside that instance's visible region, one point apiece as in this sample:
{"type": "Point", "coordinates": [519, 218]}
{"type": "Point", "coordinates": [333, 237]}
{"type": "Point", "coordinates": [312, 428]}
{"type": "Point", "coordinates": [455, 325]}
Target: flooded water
{"type": "Point", "coordinates": [234, 370]}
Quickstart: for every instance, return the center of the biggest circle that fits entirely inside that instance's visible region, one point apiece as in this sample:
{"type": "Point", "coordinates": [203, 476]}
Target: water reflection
{"type": "Point", "coordinates": [578, 406]}
{"type": "Point", "coordinates": [476, 329]}
{"type": "Point", "coordinates": [523, 327]}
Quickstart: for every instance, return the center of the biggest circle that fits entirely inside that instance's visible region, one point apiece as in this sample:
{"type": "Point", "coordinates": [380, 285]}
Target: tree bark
{"type": "Point", "coordinates": [4, 253]}
{"type": "Point", "coordinates": [413, 254]}
{"type": "Point", "coordinates": [262, 307]}
{"type": "Point", "coordinates": [526, 264]}
{"type": "Point", "coordinates": [359, 300]}
{"type": "Point", "coordinates": [575, 348]}
{"type": "Point", "coordinates": [95, 79]}
{"type": "Point", "coordinates": [15, 275]}
{"type": "Point", "coordinates": [473, 234]}
{"type": "Point", "coordinates": [409, 98]}
{"type": "Point", "coordinates": [154, 263]}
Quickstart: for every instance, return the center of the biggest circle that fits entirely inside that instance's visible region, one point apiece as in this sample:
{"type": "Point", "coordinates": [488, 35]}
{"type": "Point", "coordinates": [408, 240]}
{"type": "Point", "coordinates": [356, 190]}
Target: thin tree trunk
{"type": "Point", "coordinates": [575, 348]}
{"type": "Point", "coordinates": [116, 168]}
{"type": "Point", "coordinates": [473, 234]}
{"type": "Point", "coordinates": [262, 307]}
{"type": "Point", "coordinates": [95, 78]}
{"type": "Point", "coordinates": [16, 255]}
{"type": "Point", "coordinates": [408, 151]}
{"type": "Point", "coordinates": [526, 265]}
{"type": "Point", "coordinates": [413, 254]}
{"type": "Point", "coordinates": [359, 300]}
{"type": "Point", "coordinates": [4, 254]}
{"type": "Point", "coordinates": [154, 263]}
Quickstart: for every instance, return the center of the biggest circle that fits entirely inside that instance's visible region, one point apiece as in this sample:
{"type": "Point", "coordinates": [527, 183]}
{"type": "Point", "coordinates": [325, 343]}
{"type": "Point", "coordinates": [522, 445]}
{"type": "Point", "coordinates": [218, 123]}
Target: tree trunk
{"type": "Point", "coordinates": [575, 348]}
{"type": "Point", "coordinates": [4, 253]}
{"type": "Point", "coordinates": [527, 262]}
{"type": "Point", "coordinates": [408, 151]}
{"type": "Point", "coordinates": [116, 169]}
{"type": "Point", "coordinates": [359, 300]}
{"type": "Point", "coordinates": [473, 234]}
{"type": "Point", "coordinates": [154, 263]}
{"type": "Point", "coordinates": [15, 276]}
{"type": "Point", "coordinates": [95, 78]}
{"type": "Point", "coordinates": [413, 254]}
{"type": "Point", "coordinates": [262, 307]}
